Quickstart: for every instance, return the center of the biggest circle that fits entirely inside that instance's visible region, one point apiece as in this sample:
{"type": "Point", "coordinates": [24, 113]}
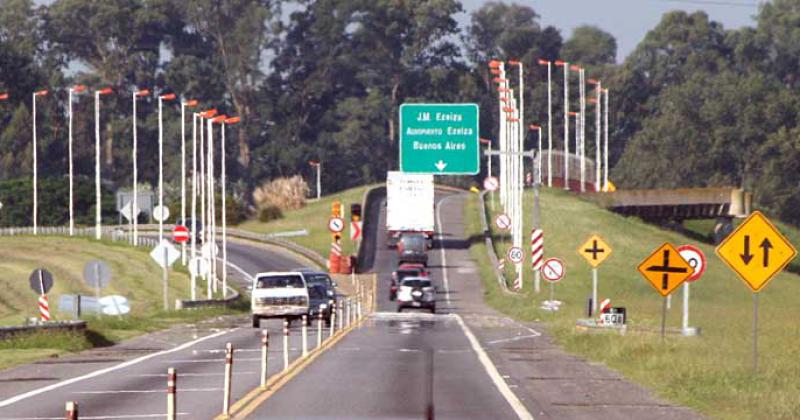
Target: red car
{"type": "Point", "coordinates": [403, 271]}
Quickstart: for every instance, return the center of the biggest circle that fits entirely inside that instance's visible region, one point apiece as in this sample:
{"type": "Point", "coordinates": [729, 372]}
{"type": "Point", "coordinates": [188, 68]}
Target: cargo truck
{"type": "Point", "coordinates": [409, 206]}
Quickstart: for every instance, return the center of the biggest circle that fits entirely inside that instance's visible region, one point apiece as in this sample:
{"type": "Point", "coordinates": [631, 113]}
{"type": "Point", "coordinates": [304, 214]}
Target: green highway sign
{"type": "Point", "coordinates": [439, 139]}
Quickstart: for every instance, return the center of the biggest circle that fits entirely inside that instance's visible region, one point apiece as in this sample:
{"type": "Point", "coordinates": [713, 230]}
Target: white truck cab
{"type": "Point", "coordinates": [279, 295]}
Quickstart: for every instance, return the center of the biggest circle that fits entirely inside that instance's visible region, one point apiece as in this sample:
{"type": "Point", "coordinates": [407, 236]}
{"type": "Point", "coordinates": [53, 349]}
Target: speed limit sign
{"type": "Point", "coordinates": [515, 255]}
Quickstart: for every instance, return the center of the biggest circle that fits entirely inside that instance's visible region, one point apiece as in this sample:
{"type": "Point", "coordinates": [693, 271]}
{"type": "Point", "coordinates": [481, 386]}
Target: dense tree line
{"type": "Point", "coordinates": [693, 105]}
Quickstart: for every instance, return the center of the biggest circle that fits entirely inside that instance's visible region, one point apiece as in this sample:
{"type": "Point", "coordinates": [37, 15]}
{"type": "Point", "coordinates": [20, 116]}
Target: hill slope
{"type": "Point", "coordinates": [713, 372]}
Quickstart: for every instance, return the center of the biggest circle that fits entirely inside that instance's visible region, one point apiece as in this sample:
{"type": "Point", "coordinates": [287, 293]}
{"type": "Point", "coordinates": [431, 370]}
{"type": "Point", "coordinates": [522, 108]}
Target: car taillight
{"type": "Point", "coordinates": [394, 288]}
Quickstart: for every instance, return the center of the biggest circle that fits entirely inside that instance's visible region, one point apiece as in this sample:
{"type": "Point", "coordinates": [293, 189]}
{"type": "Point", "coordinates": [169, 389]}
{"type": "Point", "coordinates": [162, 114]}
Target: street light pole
{"type": "Point", "coordinates": [135, 158]}
{"type": "Point", "coordinates": [227, 121]}
{"type": "Point", "coordinates": [598, 108]}
{"type": "Point", "coordinates": [74, 89]}
{"type": "Point", "coordinates": [566, 121]}
{"type": "Point", "coordinates": [98, 202]}
{"type": "Point", "coordinates": [184, 105]}
{"type": "Point", "coordinates": [605, 141]}
{"type": "Point", "coordinates": [161, 99]}
{"type": "Point", "coordinates": [580, 146]}
{"type": "Point", "coordinates": [538, 128]}
{"type": "Point", "coordinates": [549, 65]}
{"type": "Point", "coordinates": [35, 166]}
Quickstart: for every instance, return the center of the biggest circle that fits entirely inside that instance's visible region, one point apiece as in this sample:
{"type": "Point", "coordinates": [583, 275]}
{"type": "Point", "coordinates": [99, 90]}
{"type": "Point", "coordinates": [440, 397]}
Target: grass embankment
{"type": "Point", "coordinates": [314, 218]}
{"type": "Point", "coordinates": [134, 275]}
{"type": "Point", "coordinates": [711, 373]}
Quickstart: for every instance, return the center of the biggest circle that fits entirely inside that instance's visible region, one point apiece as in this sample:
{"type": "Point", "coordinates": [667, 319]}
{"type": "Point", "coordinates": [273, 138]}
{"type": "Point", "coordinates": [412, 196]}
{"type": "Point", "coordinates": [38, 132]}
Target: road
{"type": "Point", "coordinates": [128, 381]}
{"type": "Point", "coordinates": [481, 364]}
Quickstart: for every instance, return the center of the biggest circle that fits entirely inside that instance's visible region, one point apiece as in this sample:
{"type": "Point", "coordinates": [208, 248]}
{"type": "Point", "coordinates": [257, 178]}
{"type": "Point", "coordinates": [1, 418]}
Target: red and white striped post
{"type": "Point", "coordinates": [44, 307]}
{"type": "Point", "coordinates": [226, 397]}
{"type": "Point", "coordinates": [305, 335]}
{"type": "Point", "coordinates": [72, 410]}
{"type": "Point", "coordinates": [264, 357]}
{"type": "Point", "coordinates": [172, 404]}
{"type": "Point", "coordinates": [537, 255]}
{"type": "Point", "coordinates": [285, 344]}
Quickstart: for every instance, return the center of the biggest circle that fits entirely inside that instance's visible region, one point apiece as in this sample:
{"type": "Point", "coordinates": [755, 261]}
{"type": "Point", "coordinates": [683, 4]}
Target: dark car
{"type": "Point", "coordinates": [316, 278]}
{"type": "Point", "coordinates": [412, 248]}
{"type": "Point", "coordinates": [405, 270]}
{"type": "Point", "coordinates": [319, 303]}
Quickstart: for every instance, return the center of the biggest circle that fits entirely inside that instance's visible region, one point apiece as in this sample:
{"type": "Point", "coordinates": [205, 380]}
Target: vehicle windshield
{"type": "Point", "coordinates": [417, 283]}
{"type": "Point", "coordinates": [274, 282]}
{"type": "Point", "coordinates": [401, 274]}
{"type": "Point", "coordinates": [317, 292]}
{"type": "Point", "coordinates": [413, 242]}
{"type": "Point", "coordinates": [318, 279]}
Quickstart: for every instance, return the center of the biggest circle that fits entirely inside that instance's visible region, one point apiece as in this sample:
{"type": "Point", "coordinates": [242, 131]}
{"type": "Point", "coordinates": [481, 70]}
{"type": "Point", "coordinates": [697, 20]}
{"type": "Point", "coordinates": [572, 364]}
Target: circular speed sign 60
{"type": "Point", "coordinates": [336, 224]}
{"type": "Point", "coordinates": [553, 269]}
{"type": "Point", "coordinates": [694, 256]}
{"type": "Point", "coordinates": [515, 255]}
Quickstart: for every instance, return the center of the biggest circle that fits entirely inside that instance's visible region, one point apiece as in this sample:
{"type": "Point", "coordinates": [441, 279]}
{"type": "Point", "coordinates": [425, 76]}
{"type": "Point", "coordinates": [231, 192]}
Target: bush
{"type": "Point", "coordinates": [283, 193]}
{"type": "Point", "coordinates": [269, 213]}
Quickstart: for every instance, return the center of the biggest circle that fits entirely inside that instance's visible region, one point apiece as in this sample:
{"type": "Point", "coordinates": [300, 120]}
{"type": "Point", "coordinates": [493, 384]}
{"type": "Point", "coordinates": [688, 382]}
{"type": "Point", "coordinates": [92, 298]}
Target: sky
{"type": "Point", "coordinates": [627, 20]}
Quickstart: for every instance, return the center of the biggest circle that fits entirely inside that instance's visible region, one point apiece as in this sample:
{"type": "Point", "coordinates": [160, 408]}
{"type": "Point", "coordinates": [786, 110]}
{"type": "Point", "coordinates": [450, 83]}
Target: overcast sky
{"type": "Point", "coordinates": [627, 20]}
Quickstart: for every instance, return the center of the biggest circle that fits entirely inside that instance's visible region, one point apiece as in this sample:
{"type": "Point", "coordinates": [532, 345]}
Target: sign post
{"type": "Point", "coordinates": [165, 254]}
{"type": "Point", "coordinates": [697, 260]}
{"type": "Point", "coordinates": [757, 252]}
{"type": "Point", "coordinates": [665, 269]}
{"type": "Point", "coordinates": [439, 139]}
{"type": "Point", "coordinates": [595, 251]}
{"type": "Point", "coordinates": [41, 281]}
{"type": "Point", "coordinates": [553, 271]}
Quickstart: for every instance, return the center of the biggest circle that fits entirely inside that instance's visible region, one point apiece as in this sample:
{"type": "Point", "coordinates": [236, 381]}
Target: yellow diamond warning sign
{"type": "Point", "coordinates": [595, 250]}
{"type": "Point", "coordinates": [665, 269]}
{"type": "Point", "coordinates": [756, 251]}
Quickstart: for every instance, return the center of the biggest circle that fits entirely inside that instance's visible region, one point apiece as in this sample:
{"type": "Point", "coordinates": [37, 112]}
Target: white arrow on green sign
{"type": "Point", "coordinates": [439, 139]}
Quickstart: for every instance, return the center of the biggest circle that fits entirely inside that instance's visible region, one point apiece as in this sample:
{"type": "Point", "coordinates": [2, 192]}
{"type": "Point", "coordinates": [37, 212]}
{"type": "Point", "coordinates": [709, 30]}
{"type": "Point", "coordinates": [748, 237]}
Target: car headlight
{"type": "Point", "coordinates": [323, 306]}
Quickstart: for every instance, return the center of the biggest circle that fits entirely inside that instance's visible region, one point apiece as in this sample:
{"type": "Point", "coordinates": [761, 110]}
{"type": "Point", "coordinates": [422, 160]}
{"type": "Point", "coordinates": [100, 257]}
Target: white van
{"type": "Point", "coordinates": [279, 295]}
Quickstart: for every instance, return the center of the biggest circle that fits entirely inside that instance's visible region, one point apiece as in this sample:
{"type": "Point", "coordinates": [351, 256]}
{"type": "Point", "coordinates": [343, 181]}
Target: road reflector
{"type": "Point", "coordinates": [665, 269]}
{"type": "Point", "coordinates": [756, 251]}
{"type": "Point", "coordinates": [595, 250]}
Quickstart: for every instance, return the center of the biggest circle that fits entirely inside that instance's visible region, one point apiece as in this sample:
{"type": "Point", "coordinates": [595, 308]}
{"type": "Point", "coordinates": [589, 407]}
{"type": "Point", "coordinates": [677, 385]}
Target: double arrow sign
{"type": "Point", "coordinates": [766, 245]}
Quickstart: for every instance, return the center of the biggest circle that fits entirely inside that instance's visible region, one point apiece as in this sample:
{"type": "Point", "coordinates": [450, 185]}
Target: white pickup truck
{"type": "Point", "coordinates": [279, 295]}
{"type": "Point", "coordinates": [409, 206]}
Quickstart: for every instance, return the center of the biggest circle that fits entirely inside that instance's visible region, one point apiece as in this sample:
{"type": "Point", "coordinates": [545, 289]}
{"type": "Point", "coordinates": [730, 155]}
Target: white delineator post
{"type": "Point", "coordinates": [172, 404]}
{"type": "Point", "coordinates": [537, 256]}
{"type": "Point", "coordinates": [305, 335]}
{"type": "Point", "coordinates": [334, 308]}
{"type": "Point", "coordinates": [71, 410]}
{"type": "Point", "coordinates": [264, 357]}
{"type": "Point", "coordinates": [319, 328]}
{"type": "Point", "coordinates": [285, 344]}
{"type": "Point", "coordinates": [226, 396]}
{"type": "Point", "coordinates": [566, 121]}
{"type": "Point", "coordinates": [98, 202]}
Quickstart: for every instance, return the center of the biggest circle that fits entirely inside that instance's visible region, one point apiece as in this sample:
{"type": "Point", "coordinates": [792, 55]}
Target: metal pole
{"type": "Point", "coordinates": [664, 318]}
{"type": "Point", "coordinates": [226, 397]}
{"type": "Point", "coordinates": [594, 290]}
{"type": "Point", "coordinates": [605, 146]}
{"type": "Point", "coordinates": [183, 177]}
{"type": "Point", "coordinates": [194, 204]}
{"type": "Point", "coordinates": [133, 222]}
{"type": "Point", "coordinates": [264, 357]}
{"type": "Point", "coordinates": [201, 179]}
{"type": "Point", "coordinates": [582, 136]}
{"type": "Point", "coordinates": [160, 168]}
{"type": "Point", "coordinates": [755, 332]}
{"type": "Point", "coordinates": [35, 173]}
{"type": "Point", "coordinates": [164, 280]}
{"type": "Point", "coordinates": [685, 317]}
{"type": "Point", "coordinates": [69, 152]}
{"type": "Point", "coordinates": [566, 126]}
{"type": "Point", "coordinates": [597, 144]}
{"type": "Point", "coordinates": [172, 404]}
{"type": "Point", "coordinates": [212, 205]}
{"type": "Point", "coordinates": [224, 219]}
{"type": "Point", "coordinates": [285, 344]}
{"type": "Point", "coordinates": [549, 125]}
{"type": "Point", "coordinates": [98, 204]}
{"type": "Point", "coordinates": [319, 179]}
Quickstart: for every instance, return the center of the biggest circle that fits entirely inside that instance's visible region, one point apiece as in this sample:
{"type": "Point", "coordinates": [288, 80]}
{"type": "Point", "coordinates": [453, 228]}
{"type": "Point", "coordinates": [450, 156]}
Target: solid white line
{"type": "Point", "coordinates": [123, 416]}
{"type": "Point", "coordinates": [491, 370]}
{"type": "Point", "coordinates": [508, 340]}
{"type": "Point", "coordinates": [146, 391]}
{"type": "Point", "coordinates": [96, 373]}
{"type": "Point", "coordinates": [246, 275]}
{"type": "Point", "coordinates": [441, 248]}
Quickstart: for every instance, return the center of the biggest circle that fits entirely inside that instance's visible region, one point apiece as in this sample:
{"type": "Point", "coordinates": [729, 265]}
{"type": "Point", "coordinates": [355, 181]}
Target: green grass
{"type": "Point", "coordinates": [134, 275]}
{"type": "Point", "coordinates": [711, 373]}
{"type": "Point", "coordinates": [314, 218]}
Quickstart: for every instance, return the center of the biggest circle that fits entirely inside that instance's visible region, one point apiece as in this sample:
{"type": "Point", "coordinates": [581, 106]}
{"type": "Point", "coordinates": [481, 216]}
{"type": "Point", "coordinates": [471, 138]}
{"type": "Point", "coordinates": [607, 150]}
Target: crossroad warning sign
{"type": "Point", "coordinates": [756, 251]}
{"type": "Point", "coordinates": [665, 269]}
{"type": "Point", "coordinates": [595, 250]}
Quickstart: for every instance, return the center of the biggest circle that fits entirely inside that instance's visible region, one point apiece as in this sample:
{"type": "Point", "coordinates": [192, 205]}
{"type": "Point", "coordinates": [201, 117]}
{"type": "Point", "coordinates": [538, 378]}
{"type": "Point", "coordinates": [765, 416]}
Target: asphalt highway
{"type": "Point", "coordinates": [128, 381]}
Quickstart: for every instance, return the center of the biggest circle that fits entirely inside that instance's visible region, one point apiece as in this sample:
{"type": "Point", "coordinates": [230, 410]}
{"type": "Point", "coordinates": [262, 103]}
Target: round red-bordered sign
{"type": "Point", "coordinates": [502, 221]}
{"type": "Point", "coordinates": [336, 224]}
{"type": "Point", "coordinates": [696, 259]}
{"type": "Point", "coordinates": [180, 234]}
{"type": "Point", "coordinates": [515, 254]}
{"type": "Point", "coordinates": [491, 183]}
{"type": "Point", "coordinates": [553, 269]}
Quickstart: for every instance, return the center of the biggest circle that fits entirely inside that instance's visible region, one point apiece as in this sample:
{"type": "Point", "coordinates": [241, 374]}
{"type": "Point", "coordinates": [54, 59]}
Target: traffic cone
{"type": "Point", "coordinates": [334, 258]}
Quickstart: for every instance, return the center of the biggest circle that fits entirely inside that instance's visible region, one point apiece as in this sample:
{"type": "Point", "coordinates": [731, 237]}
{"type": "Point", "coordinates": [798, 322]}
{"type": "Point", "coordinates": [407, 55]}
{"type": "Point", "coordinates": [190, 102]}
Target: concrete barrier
{"type": "Point", "coordinates": [10, 332]}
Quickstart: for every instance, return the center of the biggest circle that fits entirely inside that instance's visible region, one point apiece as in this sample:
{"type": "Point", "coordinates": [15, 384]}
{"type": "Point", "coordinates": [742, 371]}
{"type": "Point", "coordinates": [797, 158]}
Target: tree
{"type": "Point", "coordinates": [590, 46]}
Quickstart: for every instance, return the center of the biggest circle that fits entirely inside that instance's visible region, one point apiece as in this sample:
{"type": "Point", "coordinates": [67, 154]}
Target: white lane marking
{"type": "Point", "coordinates": [501, 385]}
{"type": "Point", "coordinates": [96, 373]}
{"type": "Point", "coordinates": [241, 271]}
{"type": "Point", "coordinates": [508, 340]}
{"type": "Point", "coordinates": [122, 416]}
{"type": "Point", "coordinates": [441, 248]}
{"type": "Point", "coordinates": [146, 391]}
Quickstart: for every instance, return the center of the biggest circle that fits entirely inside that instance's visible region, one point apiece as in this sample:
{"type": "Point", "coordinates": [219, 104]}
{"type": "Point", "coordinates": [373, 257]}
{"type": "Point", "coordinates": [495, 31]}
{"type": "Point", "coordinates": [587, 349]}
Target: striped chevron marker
{"type": "Point", "coordinates": [518, 283]}
{"type": "Point", "coordinates": [336, 249]}
{"type": "Point", "coordinates": [537, 249]}
{"type": "Point", "coordinates": [44, 308]}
